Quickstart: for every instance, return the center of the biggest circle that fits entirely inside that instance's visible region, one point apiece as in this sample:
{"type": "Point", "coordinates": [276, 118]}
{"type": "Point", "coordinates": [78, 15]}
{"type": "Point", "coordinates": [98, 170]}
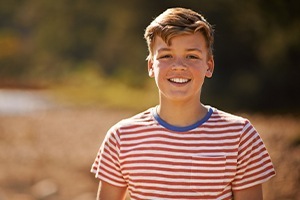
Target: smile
{"type": "Point", "coordinates": [179, 80]}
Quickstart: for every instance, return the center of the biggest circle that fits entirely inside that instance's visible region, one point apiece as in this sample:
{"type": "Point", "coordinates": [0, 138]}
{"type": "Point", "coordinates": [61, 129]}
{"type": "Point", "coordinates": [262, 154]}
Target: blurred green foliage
{"type": "Point", "coordinates": [86, 87]}
{"type": "Point", "coordinates": [257, 46]}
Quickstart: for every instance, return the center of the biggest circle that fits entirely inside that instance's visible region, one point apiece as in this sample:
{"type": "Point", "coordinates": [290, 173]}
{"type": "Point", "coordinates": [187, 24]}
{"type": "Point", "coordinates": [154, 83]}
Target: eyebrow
{"type": "Point", "coordinates": [195, 49]}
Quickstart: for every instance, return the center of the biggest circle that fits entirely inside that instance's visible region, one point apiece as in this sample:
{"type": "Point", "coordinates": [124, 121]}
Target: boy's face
{"type": "Point", "coordinates": [180, 69]}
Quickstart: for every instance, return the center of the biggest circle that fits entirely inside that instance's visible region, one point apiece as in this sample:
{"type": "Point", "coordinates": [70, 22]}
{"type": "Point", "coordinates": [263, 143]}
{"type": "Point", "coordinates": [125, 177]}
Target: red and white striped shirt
{"type": "Point", "coordinates": [207, 160]}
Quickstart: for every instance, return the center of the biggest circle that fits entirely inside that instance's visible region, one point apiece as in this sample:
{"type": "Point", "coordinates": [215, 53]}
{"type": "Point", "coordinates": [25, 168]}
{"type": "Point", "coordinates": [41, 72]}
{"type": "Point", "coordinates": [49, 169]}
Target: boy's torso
{"type": "Point", "coordinates": [164, 164]}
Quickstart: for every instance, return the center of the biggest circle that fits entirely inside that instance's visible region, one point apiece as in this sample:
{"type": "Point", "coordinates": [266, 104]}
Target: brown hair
{"type": "Point", "coordinates": [178, 21]}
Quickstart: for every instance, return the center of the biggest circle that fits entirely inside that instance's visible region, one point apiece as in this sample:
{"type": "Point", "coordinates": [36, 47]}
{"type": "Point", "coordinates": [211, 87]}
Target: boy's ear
{"type": "Point", "coordinates": [210, 67]}
{"type": "Point", "coordinates": [150, 68]}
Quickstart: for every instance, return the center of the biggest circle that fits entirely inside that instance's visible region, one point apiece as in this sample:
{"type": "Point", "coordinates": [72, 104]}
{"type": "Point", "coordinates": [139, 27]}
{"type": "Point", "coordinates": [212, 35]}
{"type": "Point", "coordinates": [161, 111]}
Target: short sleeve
{"type": "Point", "coordinates": [254, 165]}
{"type": "Point", "coordinates": [106, 166]}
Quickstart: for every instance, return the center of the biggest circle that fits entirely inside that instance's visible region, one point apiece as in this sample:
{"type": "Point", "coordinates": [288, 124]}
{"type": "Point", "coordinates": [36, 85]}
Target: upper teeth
{"type": "Point", "coordinates": [179, 80]}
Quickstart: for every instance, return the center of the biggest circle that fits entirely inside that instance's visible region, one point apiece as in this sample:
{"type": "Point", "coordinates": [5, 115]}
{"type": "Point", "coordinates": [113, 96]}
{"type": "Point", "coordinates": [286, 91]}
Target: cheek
{"type": "Point", "coordinates": [200, 74]}
{"type": "Point", "coordinates": [157, 74]}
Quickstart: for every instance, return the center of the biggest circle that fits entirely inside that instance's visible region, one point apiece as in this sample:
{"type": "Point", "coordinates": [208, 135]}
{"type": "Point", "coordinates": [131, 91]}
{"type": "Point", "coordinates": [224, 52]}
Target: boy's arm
{"type": "Point", "coordinates": [107, 191]}
{"type": "Point", "coordinates": [252, 193]}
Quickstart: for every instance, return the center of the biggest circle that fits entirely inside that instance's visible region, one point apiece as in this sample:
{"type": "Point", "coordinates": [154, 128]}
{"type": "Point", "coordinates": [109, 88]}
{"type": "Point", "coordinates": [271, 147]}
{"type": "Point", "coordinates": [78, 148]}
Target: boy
{"type": "Point", "coordinates": [182, 149]}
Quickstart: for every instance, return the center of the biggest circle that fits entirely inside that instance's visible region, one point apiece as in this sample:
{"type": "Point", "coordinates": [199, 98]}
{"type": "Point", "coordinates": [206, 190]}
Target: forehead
{"type": "Point", "coordinates": [184, 41]}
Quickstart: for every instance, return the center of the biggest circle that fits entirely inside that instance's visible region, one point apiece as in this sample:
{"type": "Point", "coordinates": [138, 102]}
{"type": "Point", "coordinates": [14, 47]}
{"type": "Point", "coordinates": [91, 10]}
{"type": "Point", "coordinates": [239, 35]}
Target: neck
{"type": "Point", "coordinates": [181, 114]}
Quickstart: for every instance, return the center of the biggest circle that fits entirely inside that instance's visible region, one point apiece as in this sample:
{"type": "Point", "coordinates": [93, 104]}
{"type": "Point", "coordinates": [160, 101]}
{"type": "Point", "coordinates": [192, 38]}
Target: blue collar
{"type": "Point", "coordinates": [180, 128]}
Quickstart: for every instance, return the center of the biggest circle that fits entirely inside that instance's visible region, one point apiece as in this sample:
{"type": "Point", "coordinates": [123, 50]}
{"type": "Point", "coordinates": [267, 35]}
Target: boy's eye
{"type": "Point", "coordinates": [192, 57]}
{"type": "Point", "coordinates": [165, 56]}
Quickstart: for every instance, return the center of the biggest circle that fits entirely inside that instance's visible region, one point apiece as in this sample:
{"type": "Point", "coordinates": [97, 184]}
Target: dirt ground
{"type": "Point", "coordinates": [47, 155]}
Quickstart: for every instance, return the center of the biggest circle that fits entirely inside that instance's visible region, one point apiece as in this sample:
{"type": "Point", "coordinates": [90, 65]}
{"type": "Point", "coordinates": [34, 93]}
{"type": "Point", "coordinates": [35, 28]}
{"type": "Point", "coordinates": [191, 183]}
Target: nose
{"type": "Point", "coordinates": [178, 64]}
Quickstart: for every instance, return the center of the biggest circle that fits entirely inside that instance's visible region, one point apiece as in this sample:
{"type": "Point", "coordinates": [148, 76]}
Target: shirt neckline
{"type": "Point", "coordinates": [181, 128]}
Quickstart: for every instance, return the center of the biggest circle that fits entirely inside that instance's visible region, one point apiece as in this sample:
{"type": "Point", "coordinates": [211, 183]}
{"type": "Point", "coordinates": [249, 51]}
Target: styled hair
{"type": "Point", "coordinates": [178, 21]}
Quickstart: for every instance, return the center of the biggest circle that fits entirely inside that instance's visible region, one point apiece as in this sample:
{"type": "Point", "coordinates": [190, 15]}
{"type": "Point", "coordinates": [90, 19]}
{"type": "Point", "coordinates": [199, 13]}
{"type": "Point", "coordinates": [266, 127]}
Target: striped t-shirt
{"type": "Point", "coordinates": [207, 160]}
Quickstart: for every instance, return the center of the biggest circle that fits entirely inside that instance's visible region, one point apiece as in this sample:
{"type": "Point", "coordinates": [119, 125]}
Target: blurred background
{"type": "Point", "coordinates": [71, 69]}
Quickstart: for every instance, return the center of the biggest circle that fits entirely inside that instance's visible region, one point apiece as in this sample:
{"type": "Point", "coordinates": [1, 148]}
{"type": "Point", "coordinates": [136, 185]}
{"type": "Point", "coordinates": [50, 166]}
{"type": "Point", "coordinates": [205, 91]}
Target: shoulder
{"type": "Point", "coordinates": [226, 119]}
{"type": "Point", "coordinates": [141, 119]}
{"type": "Point", "coordinates": [222, 116]}
{"type": "Point", "coordinates": [233, 122]}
